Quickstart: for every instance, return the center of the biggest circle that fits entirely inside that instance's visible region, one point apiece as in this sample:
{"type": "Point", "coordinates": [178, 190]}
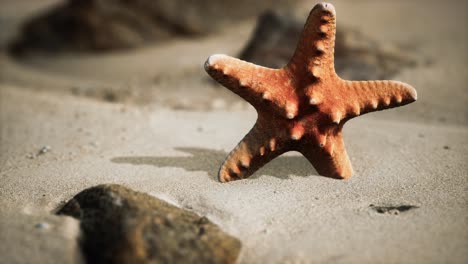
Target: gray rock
{"type": "Point", "coordinates": [357, 57]}
{"type": "Point", "coordinates": [97, 25]}
{"type": "Point", "coordinates": [120, 225]}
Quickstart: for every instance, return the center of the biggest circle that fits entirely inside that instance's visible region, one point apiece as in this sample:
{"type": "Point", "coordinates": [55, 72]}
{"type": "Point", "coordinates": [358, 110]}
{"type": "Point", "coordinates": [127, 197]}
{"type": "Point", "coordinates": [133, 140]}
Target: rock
{"type": "Point", "coordinates": [97, 25]}
{"type": "Point", "coordinates": [357, 57]}
{"type": "Point", "coordinates": [43, 225]}
{"type": "Point", "coordinates": [120, 225]}
{"type": "Point", "coordinates": [44, 150]}
{"type": "Point", "coordinates": [273, 41]}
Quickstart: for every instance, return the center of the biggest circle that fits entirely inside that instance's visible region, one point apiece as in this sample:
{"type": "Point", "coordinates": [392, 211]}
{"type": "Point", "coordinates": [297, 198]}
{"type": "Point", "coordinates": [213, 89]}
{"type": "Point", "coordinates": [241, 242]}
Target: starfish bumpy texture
{"type": "Point", "coordinates": [302, 106]}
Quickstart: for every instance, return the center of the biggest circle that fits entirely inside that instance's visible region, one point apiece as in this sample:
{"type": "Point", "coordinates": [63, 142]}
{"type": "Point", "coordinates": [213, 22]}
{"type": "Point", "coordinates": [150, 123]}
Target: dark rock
{"type": "Point", "coordinates": [120, 225]}
{"type": "Point", "coordinates": [97, 25]}
{"type": "Point", "coordinates": [357, 57]}
{"type": "Point", "coordinates": [273, 41]}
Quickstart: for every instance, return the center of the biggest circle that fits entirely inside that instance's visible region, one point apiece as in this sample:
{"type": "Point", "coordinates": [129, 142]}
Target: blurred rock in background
{"type": "Point", "coordinates": [103, 25]}
{"type": "Point", "coordinates": [357, 56]}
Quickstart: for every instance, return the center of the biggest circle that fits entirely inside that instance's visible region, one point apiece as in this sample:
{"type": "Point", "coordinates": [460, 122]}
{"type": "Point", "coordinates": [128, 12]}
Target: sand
{"type": "Point", "coordinates": [151, 120]}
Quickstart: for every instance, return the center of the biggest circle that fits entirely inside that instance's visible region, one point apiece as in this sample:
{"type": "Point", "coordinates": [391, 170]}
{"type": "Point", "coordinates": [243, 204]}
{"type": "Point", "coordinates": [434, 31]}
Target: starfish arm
{"type": "Point", "coordinates": [314, 52]}
{"type": "Point", "coordinates": [256, 149]}
{"type": "Point", "coordinates": [331, 159]}
{"type": "Point", "coordinates": [239, 76]}
{"type": "Point", "coordinates": [369, 96]}
{"type": "Point", "coordinates": [258, 85]}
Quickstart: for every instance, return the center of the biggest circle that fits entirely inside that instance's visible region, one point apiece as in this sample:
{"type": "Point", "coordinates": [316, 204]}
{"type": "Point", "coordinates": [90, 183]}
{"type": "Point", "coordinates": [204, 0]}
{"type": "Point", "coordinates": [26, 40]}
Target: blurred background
{"type": "Point", "coordinates": [151, 53]}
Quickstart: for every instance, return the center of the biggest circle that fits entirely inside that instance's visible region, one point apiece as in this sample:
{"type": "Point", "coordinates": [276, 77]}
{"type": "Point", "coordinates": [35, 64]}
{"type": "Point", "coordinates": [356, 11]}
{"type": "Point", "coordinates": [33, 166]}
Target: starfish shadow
{"type": "Point", "coordinates": [208, 160]}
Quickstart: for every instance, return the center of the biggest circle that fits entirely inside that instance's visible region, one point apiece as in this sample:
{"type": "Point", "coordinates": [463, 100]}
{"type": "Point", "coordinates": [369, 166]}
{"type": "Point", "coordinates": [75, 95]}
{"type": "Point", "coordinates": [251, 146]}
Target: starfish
{"type": "Point", "coordinates": [302, 106]}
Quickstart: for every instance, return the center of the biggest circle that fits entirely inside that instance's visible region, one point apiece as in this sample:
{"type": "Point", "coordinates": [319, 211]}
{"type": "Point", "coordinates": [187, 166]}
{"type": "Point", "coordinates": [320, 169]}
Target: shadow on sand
{"type": "Point", "coordinates": [210, 160]}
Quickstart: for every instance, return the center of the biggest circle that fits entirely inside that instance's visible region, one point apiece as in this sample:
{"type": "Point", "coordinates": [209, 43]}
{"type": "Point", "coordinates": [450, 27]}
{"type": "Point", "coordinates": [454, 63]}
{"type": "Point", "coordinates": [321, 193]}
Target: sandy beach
{"type": "Point", "coordinates": [151, 119]}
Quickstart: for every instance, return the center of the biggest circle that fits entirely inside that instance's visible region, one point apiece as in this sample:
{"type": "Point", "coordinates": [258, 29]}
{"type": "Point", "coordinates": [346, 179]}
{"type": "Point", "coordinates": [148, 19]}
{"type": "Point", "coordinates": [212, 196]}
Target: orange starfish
{"type": "Point", "coordinates": [302, 106]}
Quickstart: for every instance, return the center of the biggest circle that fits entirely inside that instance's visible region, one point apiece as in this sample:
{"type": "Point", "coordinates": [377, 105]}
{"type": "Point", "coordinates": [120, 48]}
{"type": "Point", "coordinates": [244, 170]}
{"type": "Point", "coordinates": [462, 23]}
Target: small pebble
{"type": "Point", "coordinates": [42, 226]}
{"type": "Point", "coordinates": [44, 150]}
